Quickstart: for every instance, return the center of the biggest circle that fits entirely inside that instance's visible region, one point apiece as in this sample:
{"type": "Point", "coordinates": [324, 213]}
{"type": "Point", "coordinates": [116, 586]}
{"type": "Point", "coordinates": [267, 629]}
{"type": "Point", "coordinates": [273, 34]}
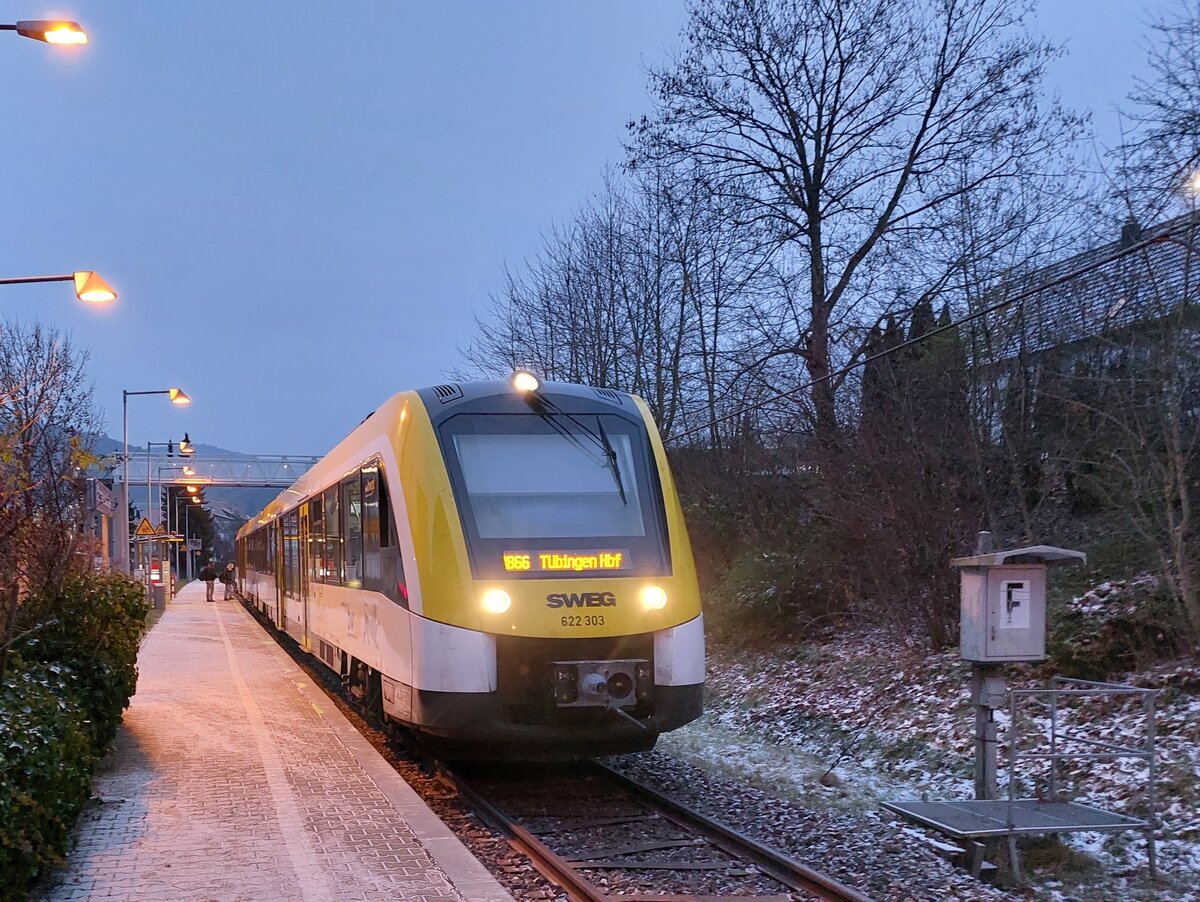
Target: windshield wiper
{"type": "Point", "coordinates": [601, 439]}
{"type": "Point", "coordinates": [611, 454]}
{"type": "Point", "coordinates": [567, 434]}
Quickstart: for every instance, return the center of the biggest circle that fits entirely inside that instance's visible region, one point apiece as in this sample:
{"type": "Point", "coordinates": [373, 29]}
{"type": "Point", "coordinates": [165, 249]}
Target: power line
{"type": "Point", "coordinates": [1160, 238]}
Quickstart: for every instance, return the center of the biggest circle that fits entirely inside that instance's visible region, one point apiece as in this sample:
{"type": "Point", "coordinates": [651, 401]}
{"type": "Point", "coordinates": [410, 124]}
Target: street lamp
{"type": "Point", "coordinates": [89, 287]}
{"type": "Point", "coordinates": [50, 31]}
{"type": "Point", "coordinates": [172, 506]}
{"type": "Point", "coordinates": [178, 396]}
{"type": "Point", "coordinates": [170, 446]}
{"type": "Point", "coordinates": [190, 500]}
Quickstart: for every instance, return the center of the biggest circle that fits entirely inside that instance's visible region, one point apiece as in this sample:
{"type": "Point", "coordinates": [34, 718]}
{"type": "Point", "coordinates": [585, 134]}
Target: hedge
{"type": "Point", "coordinates": [60, 706]}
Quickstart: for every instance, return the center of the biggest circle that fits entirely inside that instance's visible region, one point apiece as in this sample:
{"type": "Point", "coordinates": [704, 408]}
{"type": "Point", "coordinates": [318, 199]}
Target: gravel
{"type": "Point", "coordinates": [856, 844]}
{"type": "Point", "coordinates": [863, 851]}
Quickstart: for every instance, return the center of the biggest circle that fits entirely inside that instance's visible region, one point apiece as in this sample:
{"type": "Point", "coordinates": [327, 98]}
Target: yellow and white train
{"type": "Point", "coordinates": [502, 567]}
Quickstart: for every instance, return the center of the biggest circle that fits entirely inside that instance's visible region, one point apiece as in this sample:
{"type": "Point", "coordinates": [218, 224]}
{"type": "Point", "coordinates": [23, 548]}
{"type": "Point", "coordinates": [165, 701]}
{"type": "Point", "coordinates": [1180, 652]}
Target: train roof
{"type": "Point", "coordinates": [441, 402]}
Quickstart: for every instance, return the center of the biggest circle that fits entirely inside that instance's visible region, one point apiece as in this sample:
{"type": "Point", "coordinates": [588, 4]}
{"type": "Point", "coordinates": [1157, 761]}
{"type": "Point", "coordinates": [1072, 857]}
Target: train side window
{"type": "Point", "coordinates": [333, 538]}
{"type": "Point", "coordinates": [291, 553]}
{"type": "Point", "coordinates": [392, 563]}
{"type": "Point", "coordinates": [383, 569]}
{"type": "Point", "coordinates": [316, 540]}
{"type": "Point", "coordinates": [352, 527]}
{"type": "Point", "coordinates": [369, 493]}
{"type": "Point", "coordinates": [385, 514]}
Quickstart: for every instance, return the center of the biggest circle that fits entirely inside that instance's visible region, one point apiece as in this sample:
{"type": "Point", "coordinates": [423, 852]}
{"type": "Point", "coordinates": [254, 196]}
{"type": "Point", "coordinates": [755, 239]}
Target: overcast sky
{"type": "Point", "coordinates": [305, 205]}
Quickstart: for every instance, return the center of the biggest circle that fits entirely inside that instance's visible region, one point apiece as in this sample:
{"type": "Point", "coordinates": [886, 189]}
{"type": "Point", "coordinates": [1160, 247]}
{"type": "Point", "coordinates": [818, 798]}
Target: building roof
{"type": "Point", "coordinates": [1103, 298]}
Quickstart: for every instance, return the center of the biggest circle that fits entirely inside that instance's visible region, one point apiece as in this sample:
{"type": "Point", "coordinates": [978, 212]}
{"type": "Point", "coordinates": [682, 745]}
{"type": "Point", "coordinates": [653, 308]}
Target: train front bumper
{"type": "Point", "coordinates": [481, 725]}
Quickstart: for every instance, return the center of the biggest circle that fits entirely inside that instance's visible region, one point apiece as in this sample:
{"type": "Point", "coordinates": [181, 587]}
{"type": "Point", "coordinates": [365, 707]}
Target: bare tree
{"type": "Point", "coordinates": [849, 133]}
{"type": "Point", "coordinates": [1160, 161]}
{"type": "Point", "coordinates": [645, 290]}
{"type": "Point", "coordinates": [47, 418]}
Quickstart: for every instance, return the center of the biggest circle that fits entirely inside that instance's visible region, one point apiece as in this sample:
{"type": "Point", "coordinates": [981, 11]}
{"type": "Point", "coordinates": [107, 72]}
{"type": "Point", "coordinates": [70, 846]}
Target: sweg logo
{"type": "Point", "coordinates": [580, 600]}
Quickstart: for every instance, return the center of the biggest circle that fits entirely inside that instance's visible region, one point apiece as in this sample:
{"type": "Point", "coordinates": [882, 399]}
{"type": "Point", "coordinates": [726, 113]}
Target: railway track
{"type": "Point", "coordinates": [602, 836]}
{"type": "Point", "coordinates": [581, 825]}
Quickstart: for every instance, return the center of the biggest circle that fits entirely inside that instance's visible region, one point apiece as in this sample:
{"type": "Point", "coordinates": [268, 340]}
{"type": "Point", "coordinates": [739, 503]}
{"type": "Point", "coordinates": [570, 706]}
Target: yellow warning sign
{"type": "Point", "coordinates": [144, 528]}
{"type": "Point", "coordinates": [162, 530]}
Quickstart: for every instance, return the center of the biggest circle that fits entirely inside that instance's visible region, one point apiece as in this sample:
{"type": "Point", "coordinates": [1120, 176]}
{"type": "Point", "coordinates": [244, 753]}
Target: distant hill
{"type": "Point", "coordinates": [105, 446]}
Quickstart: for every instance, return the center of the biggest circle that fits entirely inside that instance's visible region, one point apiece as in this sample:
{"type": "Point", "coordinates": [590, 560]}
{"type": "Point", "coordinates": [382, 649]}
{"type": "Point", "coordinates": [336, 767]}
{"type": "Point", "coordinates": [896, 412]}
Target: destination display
{"type": "Point", "coordinates": [566, 561]}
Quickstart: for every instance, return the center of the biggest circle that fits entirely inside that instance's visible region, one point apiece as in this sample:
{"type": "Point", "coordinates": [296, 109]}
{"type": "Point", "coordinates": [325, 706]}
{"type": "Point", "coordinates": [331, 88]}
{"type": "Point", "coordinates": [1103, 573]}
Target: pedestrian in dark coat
{"type": "Point", "coordinates": [209, 575]}
{"type": "Point", "coordinates": [228, 578]}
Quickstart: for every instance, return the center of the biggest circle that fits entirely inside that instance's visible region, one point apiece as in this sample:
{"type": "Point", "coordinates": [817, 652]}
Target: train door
{"type": "Point", "coordinates": [290, 609]}
{"type": "Point", "coordinates": [279, 537]}
{"type": "Point", "coordinates": [305, 553]}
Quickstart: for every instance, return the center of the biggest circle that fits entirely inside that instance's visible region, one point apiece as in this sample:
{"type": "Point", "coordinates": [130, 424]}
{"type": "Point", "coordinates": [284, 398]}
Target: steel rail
{"type": "Point", "coordinates": [549, 864]}
{"type": "Point", "coordinates": [786, 870]}
{"type": "Point", "coordinates": [554, 867]}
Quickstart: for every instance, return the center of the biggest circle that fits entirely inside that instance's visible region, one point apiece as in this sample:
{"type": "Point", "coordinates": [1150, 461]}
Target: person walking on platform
{"type": "Point", "coordinates": [208, 574]}
{"type": "Point", "coordinates": [228, 578]}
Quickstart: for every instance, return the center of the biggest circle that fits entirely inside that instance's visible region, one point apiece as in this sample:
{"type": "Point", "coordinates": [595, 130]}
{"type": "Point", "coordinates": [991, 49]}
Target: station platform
{"type": "Point", "coordinates": [235, 778]}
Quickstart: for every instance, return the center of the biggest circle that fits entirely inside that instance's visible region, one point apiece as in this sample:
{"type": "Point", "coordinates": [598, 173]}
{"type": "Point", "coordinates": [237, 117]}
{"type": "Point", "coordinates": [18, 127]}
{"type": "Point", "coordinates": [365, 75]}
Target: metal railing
{"type": "Point", "coordinates": [257, 471]}
{"type": "Point", "coordinates": [1062, 744]}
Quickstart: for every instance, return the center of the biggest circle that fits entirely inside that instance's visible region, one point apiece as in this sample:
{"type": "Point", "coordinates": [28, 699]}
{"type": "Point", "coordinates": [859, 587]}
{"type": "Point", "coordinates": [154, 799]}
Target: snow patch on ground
{"type": "Point", "coordinates": [881, 719]}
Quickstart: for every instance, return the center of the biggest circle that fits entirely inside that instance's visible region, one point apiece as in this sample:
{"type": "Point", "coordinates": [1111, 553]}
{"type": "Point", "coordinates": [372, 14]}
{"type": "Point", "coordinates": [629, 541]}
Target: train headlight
{"type": "Point", "coordinates": [654, 598]}
{"type": "Point", "coordinates": [496, 601]}
{"type": "Point", "coordinates": [525, 382]}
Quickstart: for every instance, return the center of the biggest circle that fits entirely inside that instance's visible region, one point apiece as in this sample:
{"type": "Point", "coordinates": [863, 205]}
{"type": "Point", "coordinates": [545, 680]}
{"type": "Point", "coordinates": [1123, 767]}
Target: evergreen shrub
{"type": "Point", "coordinates": [69, 679]}
{"type": "Point", "coordinates": [91, 627]}
{"type": "Point", "coordinates": [45, 772]}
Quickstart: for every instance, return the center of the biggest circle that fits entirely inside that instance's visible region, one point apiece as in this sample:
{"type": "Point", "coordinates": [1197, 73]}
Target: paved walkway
{"type": "Point", "coordinates": [235, 778]}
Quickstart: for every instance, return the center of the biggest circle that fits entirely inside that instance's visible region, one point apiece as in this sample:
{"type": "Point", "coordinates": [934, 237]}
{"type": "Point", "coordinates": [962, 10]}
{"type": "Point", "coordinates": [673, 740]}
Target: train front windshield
{"type": "Point", "coordinates": [556, 494]}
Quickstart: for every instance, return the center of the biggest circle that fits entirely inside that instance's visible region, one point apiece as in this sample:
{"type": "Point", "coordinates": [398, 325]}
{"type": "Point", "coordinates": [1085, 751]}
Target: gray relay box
{"type": "Point", "coordinates": [1003, 615]}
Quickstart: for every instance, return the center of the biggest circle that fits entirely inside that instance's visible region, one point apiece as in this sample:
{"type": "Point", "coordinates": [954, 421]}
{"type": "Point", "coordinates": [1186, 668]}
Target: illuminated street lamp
{"type": "Point", "coordinates": [170, 446]}
{"type": "Point", "coordinates": [50, 31]}
{"type": "Point", "coordinates": [186, 501]}
{"type": "Point", "coordinates": [178, 396]}
{"type": "Point", "coordinates": [89, 287]}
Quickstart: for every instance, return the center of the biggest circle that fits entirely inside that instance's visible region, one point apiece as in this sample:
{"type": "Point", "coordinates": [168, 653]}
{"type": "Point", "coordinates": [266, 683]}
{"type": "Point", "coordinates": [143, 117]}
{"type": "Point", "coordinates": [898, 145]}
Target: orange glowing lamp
{"type": "Point", "coordinates": [52, 31]}
{"type": "Point", "coordinates": [91, 288]}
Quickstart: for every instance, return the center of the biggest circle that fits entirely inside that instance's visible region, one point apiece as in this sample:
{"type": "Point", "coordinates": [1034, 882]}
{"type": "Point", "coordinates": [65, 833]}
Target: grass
{"type": "Point", "coordinates": [1048, 856]}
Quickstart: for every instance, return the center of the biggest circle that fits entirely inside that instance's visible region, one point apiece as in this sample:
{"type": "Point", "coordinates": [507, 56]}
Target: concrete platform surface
{"type": "Point", "coordinates": [235, 778]}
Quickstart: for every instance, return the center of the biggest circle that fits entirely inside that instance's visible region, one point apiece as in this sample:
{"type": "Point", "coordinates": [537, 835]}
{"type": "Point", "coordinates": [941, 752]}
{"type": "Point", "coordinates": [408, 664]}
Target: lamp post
{"type": "Point", "coordinates": [49, 31]}
{"type": "Point", "coordinates": [173, 507]}
{"type": "Point", "coordinates": [89, 287]}
{"type": "Point", "coordinates": [190, 499]}
{"type": "Point", "coordinates": [185, 447]}
{"type": "Point", "coordinates": [178, 396]}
